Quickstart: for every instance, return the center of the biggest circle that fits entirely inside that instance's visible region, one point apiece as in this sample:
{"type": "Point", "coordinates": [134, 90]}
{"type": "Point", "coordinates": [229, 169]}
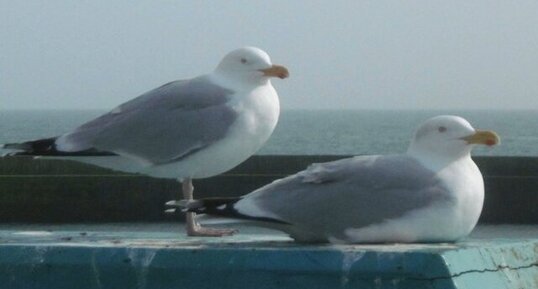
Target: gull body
{"type": "Point", "coordinates": [257, 112]}
{"type": "Point", "coordinates": [432, 193]}
{"type": "Point", "coordinates": [185, 129]}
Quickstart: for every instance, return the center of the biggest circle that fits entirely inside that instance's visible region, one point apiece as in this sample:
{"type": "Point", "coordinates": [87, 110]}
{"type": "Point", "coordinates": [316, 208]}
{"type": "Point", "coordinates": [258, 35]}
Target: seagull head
{"type": "Point", "coordinates": [251, 65]}
{"type": "Point", "coordinates": [449, 137]}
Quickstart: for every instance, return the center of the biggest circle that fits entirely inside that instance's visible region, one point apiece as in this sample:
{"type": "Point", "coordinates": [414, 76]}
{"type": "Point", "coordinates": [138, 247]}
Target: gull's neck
{"type": "Point", "coordinates": [437, 162]}
{"type": "Point", "coordinates": [244, 82]}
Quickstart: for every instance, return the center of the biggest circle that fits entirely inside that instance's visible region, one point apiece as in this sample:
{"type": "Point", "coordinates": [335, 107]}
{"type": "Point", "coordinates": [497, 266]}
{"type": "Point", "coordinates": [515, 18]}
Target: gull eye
{"type": "Point", "coordinates": [441, 129]}
{"type": "Point", "coordinates": [243, 60]}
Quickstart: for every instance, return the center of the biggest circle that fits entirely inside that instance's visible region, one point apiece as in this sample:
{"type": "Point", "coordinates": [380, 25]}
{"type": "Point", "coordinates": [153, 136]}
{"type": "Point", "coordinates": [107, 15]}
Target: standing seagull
{"type": "Point", "coordinates": [434, 193]}
{"type": "Point", "coordinates": [195, 128]}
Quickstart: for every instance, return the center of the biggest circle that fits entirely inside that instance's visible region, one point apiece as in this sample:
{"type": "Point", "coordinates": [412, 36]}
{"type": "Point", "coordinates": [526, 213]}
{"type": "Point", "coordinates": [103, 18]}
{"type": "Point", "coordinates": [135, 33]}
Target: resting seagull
{"type": "Point", "coordinates": [433, 193]}
{"type": "Point", "coordinates": [195, 128]}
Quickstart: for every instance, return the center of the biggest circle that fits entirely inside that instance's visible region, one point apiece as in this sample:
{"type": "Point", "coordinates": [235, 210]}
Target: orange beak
{"type": "Point", "coordinates": [276, 71]}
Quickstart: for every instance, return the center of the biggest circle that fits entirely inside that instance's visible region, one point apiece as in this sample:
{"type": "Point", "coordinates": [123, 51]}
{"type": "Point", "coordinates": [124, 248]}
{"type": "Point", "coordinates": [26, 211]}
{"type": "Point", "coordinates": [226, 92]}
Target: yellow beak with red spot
{"type": "Point", "coordinates": [484, 137]}
{"type": "Point", "coordinates": [276, 71]}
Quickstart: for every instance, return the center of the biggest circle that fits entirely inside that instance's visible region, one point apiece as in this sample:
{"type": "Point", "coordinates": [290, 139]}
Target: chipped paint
{"type": "Point", "coordinates": [349, 259]}
{"type": "Point", "coordinates": [95, 270]}
{"type": "Point", "coordinates": [141, 260]}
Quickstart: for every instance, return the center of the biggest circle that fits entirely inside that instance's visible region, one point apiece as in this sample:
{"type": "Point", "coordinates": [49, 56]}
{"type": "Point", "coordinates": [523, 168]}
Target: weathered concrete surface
{"type": "Point", "coordinates": [160, 256]}
{"type": "Point", "coordinates": [61, 191]}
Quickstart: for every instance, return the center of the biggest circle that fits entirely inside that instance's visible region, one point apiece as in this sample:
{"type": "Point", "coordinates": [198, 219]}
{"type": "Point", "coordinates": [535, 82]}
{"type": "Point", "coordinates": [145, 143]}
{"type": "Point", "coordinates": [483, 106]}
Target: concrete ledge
{"type": "Point", "coordinates": [159, 256]}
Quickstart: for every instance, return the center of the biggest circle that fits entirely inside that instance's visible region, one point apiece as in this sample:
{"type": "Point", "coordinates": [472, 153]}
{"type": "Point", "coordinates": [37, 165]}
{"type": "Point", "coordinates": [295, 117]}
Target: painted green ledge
{"type": "Point", "coordinates": [160, 256]}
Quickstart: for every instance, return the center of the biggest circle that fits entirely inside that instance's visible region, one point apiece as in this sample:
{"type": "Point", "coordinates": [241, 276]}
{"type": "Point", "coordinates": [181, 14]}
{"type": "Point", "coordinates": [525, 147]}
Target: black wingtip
{"type": "Point", "coordinates": [223, 207]}
{"type": "Point", "coordinates": [32, 147]}
{"type": "Point", "coordinates": [212, 206]}
{"type": "Point", "coordinates": [14, 146]}
{"type": "Point", "coordinates": [47, 147]}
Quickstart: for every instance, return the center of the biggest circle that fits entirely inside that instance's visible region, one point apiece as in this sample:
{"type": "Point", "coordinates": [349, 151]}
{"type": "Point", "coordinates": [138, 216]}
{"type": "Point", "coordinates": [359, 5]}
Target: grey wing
{"type": "Point", "coordinates": [354, 192]}
{"type": "Point", "coordinates": [162, 125]}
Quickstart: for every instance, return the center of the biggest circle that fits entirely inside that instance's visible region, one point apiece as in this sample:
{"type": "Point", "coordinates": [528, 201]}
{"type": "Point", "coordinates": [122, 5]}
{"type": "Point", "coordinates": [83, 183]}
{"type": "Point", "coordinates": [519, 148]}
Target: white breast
{"type": "Point", "coordinates": [468, 186]}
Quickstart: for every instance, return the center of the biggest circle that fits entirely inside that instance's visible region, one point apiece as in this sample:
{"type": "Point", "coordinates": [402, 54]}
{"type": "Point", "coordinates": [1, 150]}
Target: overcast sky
{"type": "Point", "coordinates": [341, 54]}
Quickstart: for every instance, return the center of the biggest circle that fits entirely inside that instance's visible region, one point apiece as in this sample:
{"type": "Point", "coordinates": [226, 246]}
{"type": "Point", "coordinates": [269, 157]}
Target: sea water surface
{"type": "Point", "coordinates": [314, 132]}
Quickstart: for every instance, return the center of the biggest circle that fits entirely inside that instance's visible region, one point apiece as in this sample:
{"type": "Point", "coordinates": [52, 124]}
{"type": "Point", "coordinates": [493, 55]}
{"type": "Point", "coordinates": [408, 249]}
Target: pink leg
{"type": "Point", "coordinates": [193, 228]}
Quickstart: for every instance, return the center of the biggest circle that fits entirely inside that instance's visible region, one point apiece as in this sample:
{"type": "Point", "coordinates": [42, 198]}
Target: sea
{"type": "Point", "coordinates": [319, 132]}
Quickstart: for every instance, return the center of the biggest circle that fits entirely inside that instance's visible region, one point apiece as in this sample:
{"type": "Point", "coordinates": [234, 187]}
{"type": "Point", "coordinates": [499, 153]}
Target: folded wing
{"type": "Point", "coordinates": [160, 126]}
{"type": "Point", "coordinates": [349, 193]}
